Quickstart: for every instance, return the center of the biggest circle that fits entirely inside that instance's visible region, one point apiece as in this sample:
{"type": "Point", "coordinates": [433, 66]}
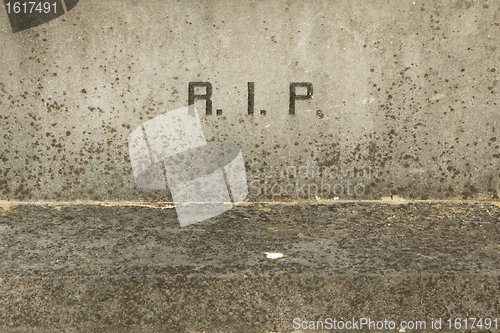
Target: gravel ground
{"type": "Point", "coordinates": [91, 268]}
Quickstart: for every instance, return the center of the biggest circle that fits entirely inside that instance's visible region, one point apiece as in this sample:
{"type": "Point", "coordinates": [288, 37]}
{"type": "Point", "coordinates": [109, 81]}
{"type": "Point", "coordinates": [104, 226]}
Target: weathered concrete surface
{"type": "Point", "coordinates": [88, 268]}
{"type": "Point", "coordinates": [408, 89]}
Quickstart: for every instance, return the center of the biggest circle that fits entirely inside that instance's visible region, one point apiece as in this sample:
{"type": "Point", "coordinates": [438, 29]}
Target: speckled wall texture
{"type": "Point", "coordinates": [404, 103]}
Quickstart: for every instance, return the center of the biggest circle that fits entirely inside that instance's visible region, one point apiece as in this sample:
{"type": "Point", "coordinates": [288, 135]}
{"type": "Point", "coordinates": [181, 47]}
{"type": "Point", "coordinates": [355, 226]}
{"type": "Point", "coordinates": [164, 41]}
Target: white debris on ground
{"type": "Point", "coordinates": [274, 255]}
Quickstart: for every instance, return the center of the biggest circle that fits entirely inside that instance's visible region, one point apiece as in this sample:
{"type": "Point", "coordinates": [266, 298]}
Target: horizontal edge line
{"type": "Point", "coordinates": [248, 203]}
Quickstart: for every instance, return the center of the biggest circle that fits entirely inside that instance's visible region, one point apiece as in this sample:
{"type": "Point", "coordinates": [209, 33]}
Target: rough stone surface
{"type": "Point", "coordinates": [89, 268]}
{"type": "Point", "coordinates": [404, 105]}
{"type": "Point", "coordinates": [408, 89]}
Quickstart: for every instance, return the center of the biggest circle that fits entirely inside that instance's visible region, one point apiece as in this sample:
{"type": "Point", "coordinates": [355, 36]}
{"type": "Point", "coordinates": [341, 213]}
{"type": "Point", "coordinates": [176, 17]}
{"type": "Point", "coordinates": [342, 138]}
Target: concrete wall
{"type": "Point", "coordinates": [406, 91]}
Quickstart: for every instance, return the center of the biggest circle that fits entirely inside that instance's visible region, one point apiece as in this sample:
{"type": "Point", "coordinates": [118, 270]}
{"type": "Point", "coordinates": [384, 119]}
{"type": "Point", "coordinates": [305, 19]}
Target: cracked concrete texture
{"type": "Point", "coordinates": [89, 268]}
{"type": "Point", "coordinates": [406, 88]}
